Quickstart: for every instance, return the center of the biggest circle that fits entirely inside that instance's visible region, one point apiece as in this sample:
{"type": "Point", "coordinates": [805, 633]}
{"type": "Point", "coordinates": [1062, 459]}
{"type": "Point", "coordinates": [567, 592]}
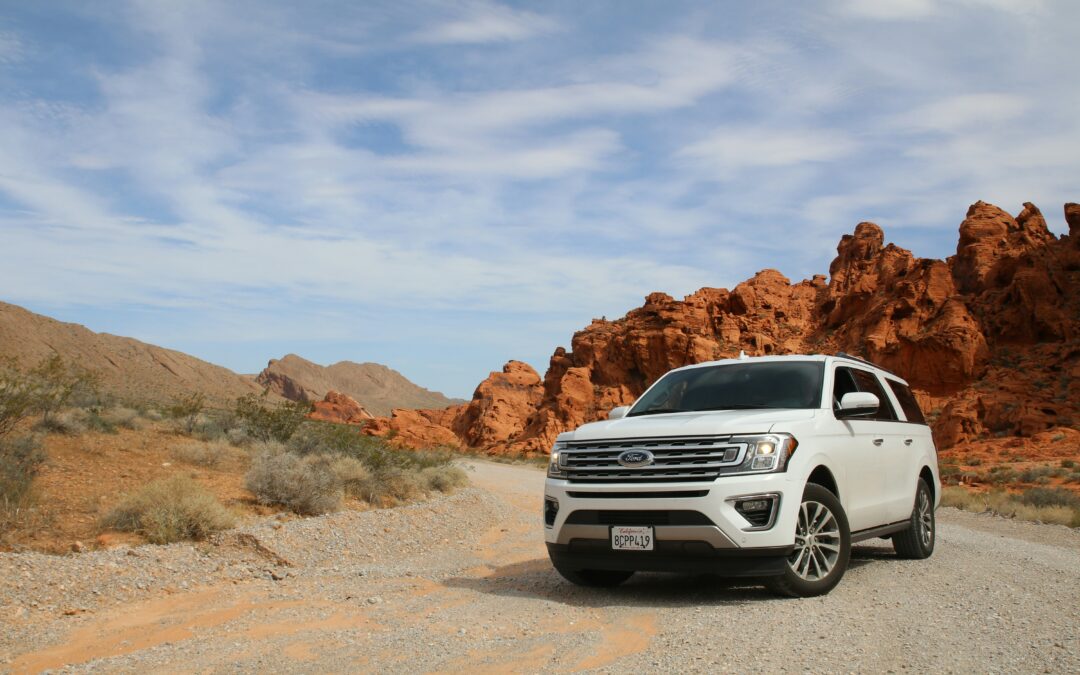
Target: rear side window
{"type": "Point", "coordinates": [869, 383]}
{"type": "Point", "coordinates": [907, 402]}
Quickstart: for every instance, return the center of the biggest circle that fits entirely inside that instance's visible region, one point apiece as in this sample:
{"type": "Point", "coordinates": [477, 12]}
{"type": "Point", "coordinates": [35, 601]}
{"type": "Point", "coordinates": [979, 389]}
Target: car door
{"type": "Point", "coordinates": [917, 445]}
{"type": "Point", "coordinates": [891, 445]}
{"type": "Point", "coordinates": [852, 440]}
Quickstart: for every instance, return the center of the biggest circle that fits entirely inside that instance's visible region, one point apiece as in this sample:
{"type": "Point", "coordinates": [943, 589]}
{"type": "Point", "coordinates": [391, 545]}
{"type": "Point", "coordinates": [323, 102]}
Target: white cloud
{"type": "Point", "coordinates": [728, 150]}
{"type": "Point", "coordinates": [890, 10]}
{"type": "Point", "coordinates": [487, 22]}
{"type": "Point", "coordinates": [11, 47]}
{"type": "Point", "coordinates": [964, 113]}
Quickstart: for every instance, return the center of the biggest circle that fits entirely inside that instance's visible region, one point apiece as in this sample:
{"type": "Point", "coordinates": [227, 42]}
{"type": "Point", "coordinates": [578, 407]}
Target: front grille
{"type": "Point", "coordinates": [611, 517]}
{"type": "Point", "coordinates": [682, 459]}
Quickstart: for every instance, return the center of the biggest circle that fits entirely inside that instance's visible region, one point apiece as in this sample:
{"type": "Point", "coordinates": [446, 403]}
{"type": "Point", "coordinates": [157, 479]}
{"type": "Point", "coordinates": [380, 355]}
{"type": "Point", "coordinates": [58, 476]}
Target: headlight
{"type": "Point", "coordinates": [765, 453]}
{"type": "Point", "coordinates": [554, 467]}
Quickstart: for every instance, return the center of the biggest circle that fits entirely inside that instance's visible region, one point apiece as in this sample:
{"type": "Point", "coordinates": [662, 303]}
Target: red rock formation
{"type": "Point", "coordinates": [988, 339]}
{"type": "Point", "coordinates": [417, 429]}
{"type": "Point", "coordinates": [341, 408]}
{"type": "Point", "coordinates": [499, 407]}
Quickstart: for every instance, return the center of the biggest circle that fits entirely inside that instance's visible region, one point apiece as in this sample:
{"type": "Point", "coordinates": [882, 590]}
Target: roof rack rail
{"type": "Point", "coordinates": [845, 355]}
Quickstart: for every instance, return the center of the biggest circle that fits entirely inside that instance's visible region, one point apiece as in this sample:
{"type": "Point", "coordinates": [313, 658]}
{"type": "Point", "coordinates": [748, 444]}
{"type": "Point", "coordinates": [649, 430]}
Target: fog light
{"type": "Point", "coordinates": [551, 509]}
{"type": "Point", "coordinates": [754, 505]}
{"type": "Point", "coordinates": [758, 510]}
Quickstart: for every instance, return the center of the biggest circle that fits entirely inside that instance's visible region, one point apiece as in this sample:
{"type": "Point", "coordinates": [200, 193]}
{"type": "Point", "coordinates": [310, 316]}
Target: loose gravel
{"type": "Point", "coordinates": [462, 581]}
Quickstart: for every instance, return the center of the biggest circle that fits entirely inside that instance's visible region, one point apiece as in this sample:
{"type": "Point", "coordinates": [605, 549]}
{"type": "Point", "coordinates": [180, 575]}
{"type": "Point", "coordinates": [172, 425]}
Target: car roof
{"type": "Point", "coordinates": [845, 358]}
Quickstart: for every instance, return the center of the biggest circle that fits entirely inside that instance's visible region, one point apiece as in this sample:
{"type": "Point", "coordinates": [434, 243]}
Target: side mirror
{"type": "Point", "coordinates": [618, 413]}
{"type": "Point", "coordinates": [857, 404]}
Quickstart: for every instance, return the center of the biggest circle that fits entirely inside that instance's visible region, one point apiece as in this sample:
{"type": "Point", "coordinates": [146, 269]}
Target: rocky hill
{"type": "Point", "coordinates": [126, 367]}
{"type": "Point", "coordinates": [989, 338]}
{"type": "Point", "coordinates": [375, 387]}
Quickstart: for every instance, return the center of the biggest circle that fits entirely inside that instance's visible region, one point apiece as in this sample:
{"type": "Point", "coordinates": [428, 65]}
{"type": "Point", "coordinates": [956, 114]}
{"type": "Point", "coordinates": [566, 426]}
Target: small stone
{"type": "Point", "coordinates": [78, 547]}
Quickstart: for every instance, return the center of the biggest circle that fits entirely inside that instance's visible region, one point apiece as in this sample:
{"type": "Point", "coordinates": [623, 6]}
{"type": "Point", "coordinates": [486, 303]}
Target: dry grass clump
{"type": "Point", "coordinates": [75, 421]}
{"type": "Point", "coordinates": [321, 464]}
{"type": "Point", "coordinates": [207, 454]}
{"type": "Point", "coordinates": [170, 509]}
{"type": "Point", "coordinates": [304, 485]}
{"type": "Point", "coordinates": [20, 460]}
{"type": "Point", "coordinates": [1042, 505]}
{"type": "Point", "coordinates": [127, 418]}
{"type": "Point", "coordinates": [71, 422]}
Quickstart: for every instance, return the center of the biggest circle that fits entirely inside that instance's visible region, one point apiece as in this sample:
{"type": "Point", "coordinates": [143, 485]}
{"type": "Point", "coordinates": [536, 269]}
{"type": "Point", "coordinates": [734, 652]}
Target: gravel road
{"type": "Point", "coordinates": [462, 582]}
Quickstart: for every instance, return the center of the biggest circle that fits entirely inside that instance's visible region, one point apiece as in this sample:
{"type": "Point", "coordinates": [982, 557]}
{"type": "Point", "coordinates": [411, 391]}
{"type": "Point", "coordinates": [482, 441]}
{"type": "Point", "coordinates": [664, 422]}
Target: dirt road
{"type": "Point", "coordinates": [463, 583]}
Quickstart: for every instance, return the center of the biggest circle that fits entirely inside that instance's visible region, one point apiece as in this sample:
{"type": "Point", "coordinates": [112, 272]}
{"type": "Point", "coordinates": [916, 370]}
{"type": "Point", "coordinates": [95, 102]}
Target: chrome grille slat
{"type": "Point", "coordinates": [675, 459]}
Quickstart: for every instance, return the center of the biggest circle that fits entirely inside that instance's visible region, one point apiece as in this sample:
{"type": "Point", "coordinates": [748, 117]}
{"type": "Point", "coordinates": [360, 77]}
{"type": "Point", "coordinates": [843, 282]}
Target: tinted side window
{"type": "Point", "coordinates": [843, 383]}
{"type": "Point", "coordinates": [907, 402]}
{"type": "Point", "coordinates": [869, 383]}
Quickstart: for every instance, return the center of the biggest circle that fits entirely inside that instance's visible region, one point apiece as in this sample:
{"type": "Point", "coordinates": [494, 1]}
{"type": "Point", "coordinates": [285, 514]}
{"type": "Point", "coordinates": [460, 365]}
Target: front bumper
{"type": "Point", "coordinates": [720, 540]}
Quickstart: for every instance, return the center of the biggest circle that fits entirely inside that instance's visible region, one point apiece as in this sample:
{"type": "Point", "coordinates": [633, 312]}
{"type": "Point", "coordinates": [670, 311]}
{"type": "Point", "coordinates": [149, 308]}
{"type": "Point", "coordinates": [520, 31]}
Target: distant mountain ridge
{"type": "Point", "coordinates": [376, 387]}
{"type": "Point", "coordinates": [126, 367]}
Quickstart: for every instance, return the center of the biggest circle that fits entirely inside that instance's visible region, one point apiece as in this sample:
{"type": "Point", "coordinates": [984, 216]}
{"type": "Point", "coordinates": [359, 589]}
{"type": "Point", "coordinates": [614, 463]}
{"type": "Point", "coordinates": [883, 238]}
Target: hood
{"type": "Point", "coordinates": [706, 423]}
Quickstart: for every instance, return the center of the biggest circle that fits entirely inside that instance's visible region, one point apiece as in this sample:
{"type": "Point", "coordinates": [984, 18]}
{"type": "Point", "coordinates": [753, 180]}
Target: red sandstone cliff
{"type": "Point", "coordinates": [990, 338]}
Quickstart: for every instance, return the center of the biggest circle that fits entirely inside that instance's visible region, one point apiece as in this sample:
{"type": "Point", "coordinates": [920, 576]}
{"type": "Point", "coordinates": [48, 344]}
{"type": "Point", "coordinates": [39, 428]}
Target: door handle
{"type": "Point", "coordinates": [879, 441]}
{"type": "Point", "coordinates": [907, 441]}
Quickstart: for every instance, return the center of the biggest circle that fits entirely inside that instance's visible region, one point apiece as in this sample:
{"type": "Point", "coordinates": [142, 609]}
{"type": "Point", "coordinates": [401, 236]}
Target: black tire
{"type": "Point", "coordinates": [594, 578]}
{"type": "Point", "coordinates": [917, 541]}
{"type": "Point", "coordinates": [802, 577]}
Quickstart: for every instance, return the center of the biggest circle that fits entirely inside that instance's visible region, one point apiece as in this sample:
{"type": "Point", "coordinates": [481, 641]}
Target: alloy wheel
{"type": "Point", "coordinates": [817, 542]}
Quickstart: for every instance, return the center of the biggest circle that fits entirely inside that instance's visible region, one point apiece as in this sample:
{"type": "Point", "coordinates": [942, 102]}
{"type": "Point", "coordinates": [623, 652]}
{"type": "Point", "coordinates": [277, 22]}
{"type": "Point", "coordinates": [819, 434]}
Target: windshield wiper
{"type": "Point", "coordinates": [656, 411]}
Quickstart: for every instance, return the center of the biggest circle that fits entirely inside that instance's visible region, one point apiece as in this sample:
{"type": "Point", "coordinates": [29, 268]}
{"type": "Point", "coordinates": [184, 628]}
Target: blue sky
{"type": "Point", "coordinates": [443, 186]}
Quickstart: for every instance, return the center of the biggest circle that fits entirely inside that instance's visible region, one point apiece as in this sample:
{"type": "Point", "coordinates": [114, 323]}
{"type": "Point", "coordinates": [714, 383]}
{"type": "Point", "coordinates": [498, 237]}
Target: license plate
{"type": "Point", "coordinates": [631, 538]}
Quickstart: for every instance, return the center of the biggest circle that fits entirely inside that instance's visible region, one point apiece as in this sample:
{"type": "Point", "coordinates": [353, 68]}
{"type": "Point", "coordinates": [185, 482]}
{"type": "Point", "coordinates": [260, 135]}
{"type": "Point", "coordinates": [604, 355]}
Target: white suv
{"type": "Point", "coordinates": [764, 467]}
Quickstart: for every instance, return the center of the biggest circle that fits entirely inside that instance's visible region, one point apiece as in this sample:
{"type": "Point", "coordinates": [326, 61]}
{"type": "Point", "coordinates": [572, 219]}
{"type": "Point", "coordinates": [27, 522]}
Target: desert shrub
{"type": "Point", "coordinates": [17, 395]}
{"type": "Point", "coordinates": [207, 428]}
{"type": "Point", "coordinates": [352, 475]}
{"type": "Point", "coordinates": [444, 478]}
{"type": "Point", "coordinates": [270, 422]}
{"type": "Point", "coordinates": [186, 408]}
{"type": "Point", "coordinates": [305, 485]}
{"type": "Point", "coordinates": [20, 460]}
{"type": "Point", "coordinates": [1040, 507]}
{"type": "Point", "coordinates": [1050, 497]}
{"type": "Point", "coordinates": [1068, 463]}
{"type": "Point", "coordinates": [1033, 474]}
{"type": "Point", "coordinates": [153, 414]}
{"type": "Point", "coordinates": [208, 454]}
{"type": "Point", "coordinates": [71, 422]}
{"type": "Point", "coordinates": [238, 436]}
{"type": "Point", "coordinates": [56, 382]}
{"type": "Point", "coordinates": [127, 418]}
{"type": "Point", "coordinates": [170, 509]}
{"type": "Point", "coordinates": [97, 420]}
{"type": "Point", "coordinates": [1002, 475]}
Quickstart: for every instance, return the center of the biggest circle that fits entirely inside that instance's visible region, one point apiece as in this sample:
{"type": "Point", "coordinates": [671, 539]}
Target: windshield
{"type": "Point", "coordinates": [738, 386]}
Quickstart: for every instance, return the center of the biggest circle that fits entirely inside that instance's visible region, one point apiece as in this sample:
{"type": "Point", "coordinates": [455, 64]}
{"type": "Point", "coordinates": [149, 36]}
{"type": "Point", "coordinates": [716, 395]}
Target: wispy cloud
{"type": "Point", "coordinates": [481, 22]}
{"type": "Point", "coordinates": [727, 151]}
{"type": "Point", "coordinates": [379, 179]}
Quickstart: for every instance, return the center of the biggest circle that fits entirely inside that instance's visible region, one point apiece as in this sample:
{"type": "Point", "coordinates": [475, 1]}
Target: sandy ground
{"type": "Point", "coordinates": [463, 582]}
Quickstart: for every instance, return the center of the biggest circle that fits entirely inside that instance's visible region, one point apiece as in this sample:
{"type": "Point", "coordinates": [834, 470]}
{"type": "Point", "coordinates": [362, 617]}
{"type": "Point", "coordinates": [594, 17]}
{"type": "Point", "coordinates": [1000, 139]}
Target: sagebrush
{"type": "Point", "coordinates": [170, 509]}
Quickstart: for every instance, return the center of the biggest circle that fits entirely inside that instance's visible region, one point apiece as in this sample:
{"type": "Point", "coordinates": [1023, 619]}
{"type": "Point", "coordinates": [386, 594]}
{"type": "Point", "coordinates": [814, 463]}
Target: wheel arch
{"type": "Point", "coordinates": [927, 475]}
{"type": "Point", "coordinates": [821, 475]}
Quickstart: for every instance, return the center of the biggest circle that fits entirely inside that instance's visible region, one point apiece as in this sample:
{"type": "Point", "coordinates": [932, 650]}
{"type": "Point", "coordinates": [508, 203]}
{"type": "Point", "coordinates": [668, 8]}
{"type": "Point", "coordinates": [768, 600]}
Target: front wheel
{"type": "Point", "coordinates": [822, 547]}
{"type": "Point", "coordinates": [917, 541]}
{"type": "Point", "coordinates": [594, 578]}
